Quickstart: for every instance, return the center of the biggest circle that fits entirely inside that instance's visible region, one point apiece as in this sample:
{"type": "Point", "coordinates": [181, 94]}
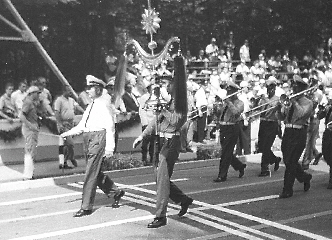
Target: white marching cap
{"type": "Point", "coordinates": [91, 80]}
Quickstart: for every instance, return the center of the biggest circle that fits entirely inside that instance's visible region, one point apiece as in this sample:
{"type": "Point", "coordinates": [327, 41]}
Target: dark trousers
{"type": "Point", "coordinates": [116, 137]}
{"type": "Point", "coordinates": [267, 133]}
{"type": "Point", "coordinates": [327, 146]}
{"type": "Point", "coordinates": [201, 124]}
{"type": "Point", "coordinates": [228, 138]}
{"type": "Point", "coordinates": [292, 146]}
{"type": "Point", "coordinates": [166, 189]}
{"type": "Point", "coordinates": [148, 146]}
{"type": "Point", "coordinates": [94, 149]}
{"type": "Point", "coordinates": [244, 139]}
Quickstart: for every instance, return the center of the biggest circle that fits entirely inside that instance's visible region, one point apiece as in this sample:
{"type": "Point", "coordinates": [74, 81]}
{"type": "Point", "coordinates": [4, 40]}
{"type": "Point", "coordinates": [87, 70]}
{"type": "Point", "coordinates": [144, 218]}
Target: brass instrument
{"type": "Point", "coordinates": [217, 102]}
{"type": "Point", "coordinates": [284, 100]}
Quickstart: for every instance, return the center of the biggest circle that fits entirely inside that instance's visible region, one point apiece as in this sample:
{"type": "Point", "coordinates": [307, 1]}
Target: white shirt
{"type": "Point", "coordinates": [17, 99]}
{"type": "Point", "coordinates": [97, 116]}
{"type": "Point", "coordinates": [244, 53]}
{"type": "Point", "coordinates": [145, 112]}
{"type": "Point", "coordinates": [200, 97]}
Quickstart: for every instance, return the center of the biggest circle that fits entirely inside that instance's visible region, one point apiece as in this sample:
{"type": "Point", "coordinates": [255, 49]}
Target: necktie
{"type": "Point", "coordinates": [327, 118]}
{"type": "Point", "coordinates": [89, 114]}
{"type": "Point", "coordinates": [223, 114]}
{"type": "Point", "coordinates": [290, 113]}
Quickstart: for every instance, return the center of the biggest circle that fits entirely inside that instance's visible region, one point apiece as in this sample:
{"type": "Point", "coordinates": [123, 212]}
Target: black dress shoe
{"type": "Point", "coordinates": [74, 162]}
{"type": "Point", "coordinates": [82, 213]}
{"type": "Point", "coordinates": [306, 183]}
{"type": "Point", "coordinates": [285, 195]}
{"type": "Point", "coordinates": [117, 198]}
{"type": "Point", "coordinates": [241, 171]}
{"type": "Point", "coordinates": [276, 164]}
{"type": "Point", "coordinates": [220, 179]}
{"type": "Point", "coordinates": [158, 222]}
{"type": "Point", "coordinates": [264, 174]}
{"type": "Point", "coordinates": [185, 206]}
{"type": "Point", "coordinates": [317, 158]}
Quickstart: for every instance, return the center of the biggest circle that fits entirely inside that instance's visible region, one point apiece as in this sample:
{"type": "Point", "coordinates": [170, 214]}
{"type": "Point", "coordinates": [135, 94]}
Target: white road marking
{"type": "Point", "coordinates": [249, 217]}
{"type": "Point", "coordinates": [264, 221]}
{"type": "Point", "coordinates": [153, 183]}
{"type": "Point", "coordinates": [146, 201]}
{"type": "Point", "coordinates": [69, 194]}
{"type": "Point", "coordinates": [23, 201]}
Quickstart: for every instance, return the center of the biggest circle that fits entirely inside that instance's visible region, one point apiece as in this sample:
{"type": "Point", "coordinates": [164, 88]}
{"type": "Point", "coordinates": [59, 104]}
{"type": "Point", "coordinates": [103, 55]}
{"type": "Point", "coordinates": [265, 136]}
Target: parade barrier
{"type": "Point", "coordinates": [12, 152]}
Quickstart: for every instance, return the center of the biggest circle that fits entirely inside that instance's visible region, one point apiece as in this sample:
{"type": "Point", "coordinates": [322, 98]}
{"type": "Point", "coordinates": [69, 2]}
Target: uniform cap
{"type": "Point", "coordinates": [33, 89]}
{"type": "Point", "coordinates": [271, 82]}
{"type": "Point", "coordinates": [93, 81]}
{"type": "Point", "coordinates": [233, 85]}
{"type": "Point", "coordinates": [111, 82]}
{"type": "Point", "coordinates": [298, 79]}
{"type": "Point", "coordinates": [244, 84]}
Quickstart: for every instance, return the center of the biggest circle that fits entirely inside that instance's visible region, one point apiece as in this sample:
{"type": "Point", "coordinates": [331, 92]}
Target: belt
{"type": "Point", "coordinates": [168, 135]}
{"type": "Point", "coordinates": [89, 130]}
{"type": "Point", "coordinates": [268, 120]}
{"type": "Point", "coordinates": [226, 123]}
{"type": "Point", "coordinates": [288, 125]}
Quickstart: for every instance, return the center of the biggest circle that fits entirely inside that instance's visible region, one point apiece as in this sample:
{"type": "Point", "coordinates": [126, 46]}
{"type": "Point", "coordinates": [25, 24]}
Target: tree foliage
{"type": "Point", "coordinates": [78, 33]}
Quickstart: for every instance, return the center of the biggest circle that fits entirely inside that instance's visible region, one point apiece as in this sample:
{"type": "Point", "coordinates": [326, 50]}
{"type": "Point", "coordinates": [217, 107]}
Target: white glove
{"type": "Point", "coordinates": [108, 154]}
{"type": "Point", "coordinates": [137, 141]}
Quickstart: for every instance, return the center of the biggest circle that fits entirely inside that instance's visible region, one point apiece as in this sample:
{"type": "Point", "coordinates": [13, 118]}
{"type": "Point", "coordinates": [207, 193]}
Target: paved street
{"type": "Point", "coordinates": [246, 208]}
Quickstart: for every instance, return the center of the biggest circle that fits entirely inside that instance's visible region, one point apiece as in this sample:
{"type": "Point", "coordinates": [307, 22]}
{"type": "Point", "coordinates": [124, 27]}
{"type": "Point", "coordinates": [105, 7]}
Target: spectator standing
{"type": "Point", "coordinates": [245, 52]}
{"type": "Point", "coordinates": [64, 108]}
{"type": "Point", "coordinates": [7, 108]}
{"type": "Point", "coordinates": [146, 113]}
{"type": "Point", "coordinates": [30, 129]}
{"type": "Point", "coordinates": [45, 96]}
{"type": "Point", "coordinates": [212, 48]}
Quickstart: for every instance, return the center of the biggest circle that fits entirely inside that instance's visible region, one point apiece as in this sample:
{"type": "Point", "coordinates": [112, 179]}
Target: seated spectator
{"type": "Point", "coordinates": [7, 108]}
{"type": "Point", "coordinates": [19, 95]}
{"type": "Point", "coordinates": [223, 59]}
{"type": "Point", "coordinates": [243, 69]}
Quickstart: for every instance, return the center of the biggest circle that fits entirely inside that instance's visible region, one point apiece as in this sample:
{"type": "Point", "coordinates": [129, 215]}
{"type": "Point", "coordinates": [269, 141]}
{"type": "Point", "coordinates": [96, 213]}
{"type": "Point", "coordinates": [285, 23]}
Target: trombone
{"type": "Point", "coordinates": [284, 100]}
{"type": "Point", "coordinates": [217, 102]}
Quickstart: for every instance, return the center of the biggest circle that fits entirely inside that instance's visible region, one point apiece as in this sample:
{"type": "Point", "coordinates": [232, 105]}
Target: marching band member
{"type": "Point", "coordinates": [200, 104]}
{"type": "Point", "coordinates": [243, 146]}
{"type": "Point", "coordinates": [229, 116]}
{"type": "Point", "coordinates": [170, 120]}
{"type": "Point", "coordinates": [296, 118]}
{"type": "Point", "coordinates": [325, 112]}
{"type": "Point", "coordinates": [311, 151]}
{"type": "Point", "coordinates": [98, 142]}
{"type": "Point", "coordinates": [268, 130]}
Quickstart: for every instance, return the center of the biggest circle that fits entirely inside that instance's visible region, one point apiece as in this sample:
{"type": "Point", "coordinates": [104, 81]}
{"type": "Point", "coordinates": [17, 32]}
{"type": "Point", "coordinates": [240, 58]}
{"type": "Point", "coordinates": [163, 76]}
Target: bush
{"type": "Point", "coordinates": [208, 151]}
{"type": "Point", "coordinates": [122, 161]}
